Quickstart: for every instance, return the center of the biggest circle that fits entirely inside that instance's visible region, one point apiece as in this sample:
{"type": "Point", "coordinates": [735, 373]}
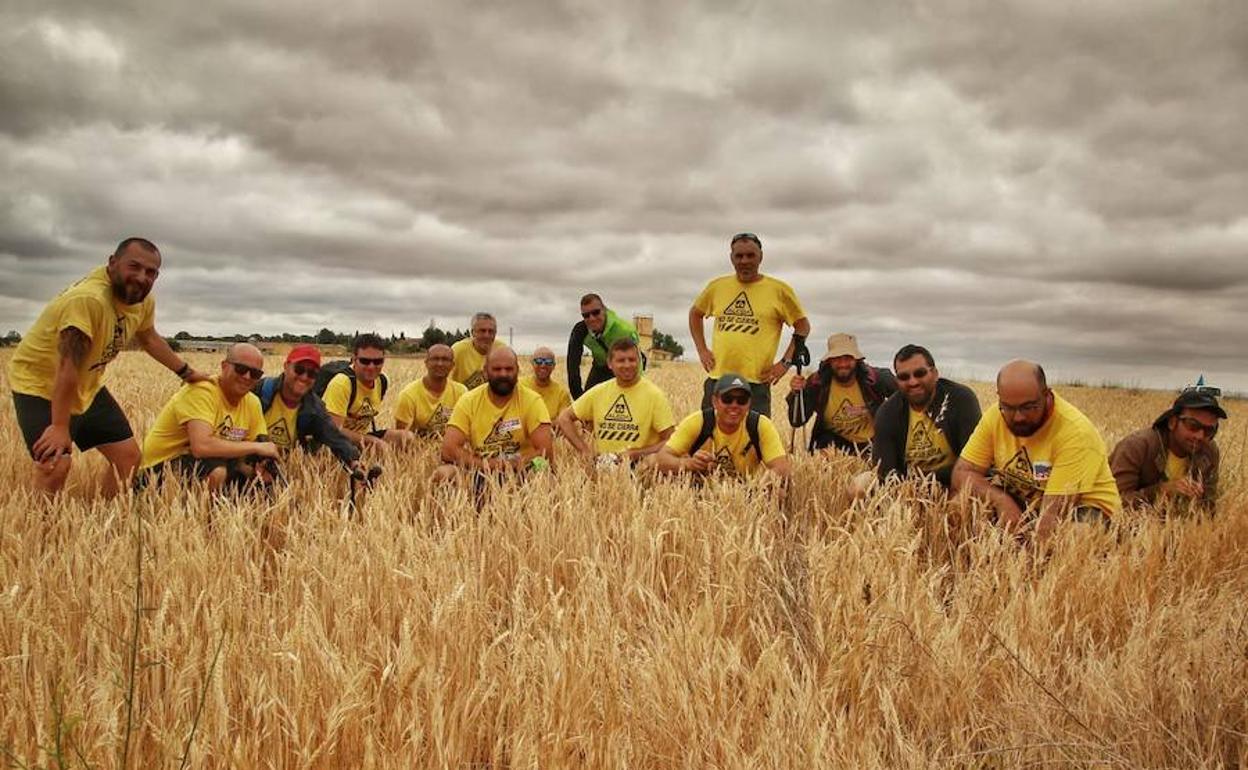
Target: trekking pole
{"type": "Point", "coordinates": [801, 357]}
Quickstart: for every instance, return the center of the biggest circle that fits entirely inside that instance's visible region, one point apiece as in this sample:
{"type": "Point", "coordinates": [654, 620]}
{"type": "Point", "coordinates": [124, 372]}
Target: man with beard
{"type": "Point", "coordinates": [1175, 459]}
{"type": "Point", "coordinates": [1037, 455]}
{"type": "Point", "coordinates": [470, 353]}
{"type": "Point", "coordinates": [923, 427]}
{"type": "Point", "coordinates": [294, 414]}
{"type": "Point", "coordinates": [631, 416]}
{"type": "Point", "coordinates": [554, 395]}
{"type": "Point", "coordinates": [750, 310]}
{"type": "Point", "coordinates": [843, 396]}
{"type": "Point", "coordinates": [353, 396]}
{"type": "Point", "coordinates": [56, 371]}
{"type": "Point", "coordinates": [208, 430]}
{"type": "Point", "coordinates": [497, 428]}
{"type": "Point", "coordinates": [598, 329]}
{"type": "Point", "coordinates": [425, 405]}
{"type": "Point", "coordinates": [730, 439]}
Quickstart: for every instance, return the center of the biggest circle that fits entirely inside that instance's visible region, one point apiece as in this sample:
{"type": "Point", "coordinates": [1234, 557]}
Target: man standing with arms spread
{"type": "Point", "coordinates": [750, 309]}
{"type": "Point", "coordinates": [631, 416]}
{"type": "Point", "coordinates": [425, 405]}
{"type": "Point", "coordinates": [844, 396]}
{"type": "Point", "coordinates": [294, 415]}
{"type": "Point", "coordinates": [1035, 451]}
{"type": "Point", "coordinates": [470, 353]}
{"type": "Point", "coordinates": [554, 395]}
{"type": "Point", "coordinates": [598, 329]}
{"type": "Point", "coordinates": [353, 397]}
{"type": "Point", "coordinates": [56, 371]}
{"type": "Point", "coordinates": [1175, 458]}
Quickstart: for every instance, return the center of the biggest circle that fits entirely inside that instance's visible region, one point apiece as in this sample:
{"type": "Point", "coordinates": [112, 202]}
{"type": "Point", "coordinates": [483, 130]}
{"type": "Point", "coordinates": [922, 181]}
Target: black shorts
{"type": "Point", "coordinates": [188, 467]}
{"type": "Point", "coordinates": [102, 423]}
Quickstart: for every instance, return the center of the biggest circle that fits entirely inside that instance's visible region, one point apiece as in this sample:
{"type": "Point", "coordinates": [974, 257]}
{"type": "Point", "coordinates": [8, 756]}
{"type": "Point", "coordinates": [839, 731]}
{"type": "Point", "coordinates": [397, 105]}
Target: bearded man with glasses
{"type": "Point", "coordinates": [598, 329]}
{"type": "Point", "coordinates": [1175, 459]}
{"type": "Point", "coordinates": [209, 429]}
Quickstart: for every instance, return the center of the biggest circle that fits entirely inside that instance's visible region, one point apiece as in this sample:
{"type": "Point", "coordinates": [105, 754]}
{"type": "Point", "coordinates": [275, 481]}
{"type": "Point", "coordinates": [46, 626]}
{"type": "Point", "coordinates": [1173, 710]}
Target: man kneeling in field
{"type": "Point", "coordinates": [728, 438]}
{"type": "Point", "coordinates": [425, 405]}
{"type": "Point", "coordinates": [295, 416]}
{"type": "Point", "coordinates": [209, 429]}
{"type": "Point", "coordinates": [499, 427]}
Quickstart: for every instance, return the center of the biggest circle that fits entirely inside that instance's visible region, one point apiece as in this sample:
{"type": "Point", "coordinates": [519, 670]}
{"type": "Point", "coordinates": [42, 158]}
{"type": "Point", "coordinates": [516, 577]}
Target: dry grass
{"type": "Point", "coordinates": [596, 622]}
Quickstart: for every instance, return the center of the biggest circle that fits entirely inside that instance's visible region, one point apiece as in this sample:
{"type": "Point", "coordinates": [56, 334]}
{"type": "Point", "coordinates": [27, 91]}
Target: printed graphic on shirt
{"type": "Point", "coordinates": [475, 379]}
{"type": "Point", "coordinates": [849, 419]}
{"type": "Point", "coordinates": [922, 451]}
{"type": "Point", "coordinates": [437, 420]}
{"type": "Point", "coordinates": [1023, 478]}
{"type": "Point", "coordinates": [618, 423]}
{"type": "Point", "coordinates": [228, 432]}
{"type": "Point", "coordinates": [738, 316]}
{"type": "Point", "coordinates": [501, 442]}
{"type": "Point", "coordinates": [279, 433]}
{"type": "Point", "coordinates": [114, 345]}
{"type": "Point", "coordinates": [362, 420]}
{"type": "Point", "coordinates": [724, 464]}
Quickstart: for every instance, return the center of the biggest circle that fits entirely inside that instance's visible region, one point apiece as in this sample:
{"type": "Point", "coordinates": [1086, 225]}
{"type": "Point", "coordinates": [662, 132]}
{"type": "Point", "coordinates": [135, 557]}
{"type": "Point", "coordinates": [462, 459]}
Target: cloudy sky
{"type": "Point", "coordinates": [1062, 180]}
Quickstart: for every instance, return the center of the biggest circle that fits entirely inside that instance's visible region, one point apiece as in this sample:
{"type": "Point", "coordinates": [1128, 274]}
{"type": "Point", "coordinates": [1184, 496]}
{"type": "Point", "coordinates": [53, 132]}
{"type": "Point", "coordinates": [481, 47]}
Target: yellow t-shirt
{"type": "Point", "coordinates": [625, 418]}
{"type": "Point", "coordinates": [280, 421]}
{"type": "Point", "coordinates": [365, 407]}
{"type": "Point", "coordinates": [495, 431]}
{"type": "Point", "coordinates": [201, 401]}
{"type": "Point", "coordinates": [469, 364]}
{"type": "Point", "coordinates": [555, 395]}
{"type": "Point", "coordinates": [847, 414]}
{"type": "Point", "coordinates": [927, 449]}
{"type": "Point", "coordinates": [1176, 467]}
{"type": "Point", "coordinates": [90, 307]}
{"type": "Point", "coordinates": [425, 413]}
{"type": "Point", "coordinates": [731, 456]}
{"type": "Point", "coordinates": [748, 321]}
{"type": "Point", "coordinates": [1065, 457]}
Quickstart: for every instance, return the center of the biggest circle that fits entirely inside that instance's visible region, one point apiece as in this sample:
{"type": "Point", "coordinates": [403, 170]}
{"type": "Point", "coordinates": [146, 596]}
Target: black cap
{"type": "Point", "coordinates": [1193, 398]}
{"type": "Point", "coordinates": [731, 381]}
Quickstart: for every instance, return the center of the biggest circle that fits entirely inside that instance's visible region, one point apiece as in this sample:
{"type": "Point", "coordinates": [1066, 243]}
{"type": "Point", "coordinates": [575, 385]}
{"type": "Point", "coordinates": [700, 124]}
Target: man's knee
{"type": "Point", "coordinates": [216, 478]}
{"type": "Point", "coordinates": [445, 473]}
{"type": "Point", "coordinates": [50, 477]}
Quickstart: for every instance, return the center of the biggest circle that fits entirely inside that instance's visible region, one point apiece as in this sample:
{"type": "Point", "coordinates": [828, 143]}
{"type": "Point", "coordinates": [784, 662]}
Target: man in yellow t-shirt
{"type": "Point", "coordinates": [295, 416]}
{"type": "Point", "coordinates": [729, 449]}
{"type": "Point", "coordinates": [353, 397]}
{"type": "Point", "coordinates": [425, 405]}
{"type": "Point", "coordinates": [56, 370]}
{"type": "Point", "coordinates": [554, 395]}
{"type": "Point", "coordinates": [1036, 451]}
{"type": "Point", "coordinates": [750, 309]}
{"type": "Point", "coordinates": [630, 416]}
{"type": "Point", "coordinates": [843, 397]}
{"type": "Point", "coordinates": [208, 428]}
{"type": "Point", "coordinates": [498, 427]}
{"type": "Point", "coordinates": [470, 352]}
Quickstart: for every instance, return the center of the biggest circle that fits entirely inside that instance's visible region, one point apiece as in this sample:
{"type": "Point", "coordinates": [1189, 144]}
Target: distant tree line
{"type": "Point", "coordinates": [668, 342]}
{"type": "Point", "coordinates": [396, 343]}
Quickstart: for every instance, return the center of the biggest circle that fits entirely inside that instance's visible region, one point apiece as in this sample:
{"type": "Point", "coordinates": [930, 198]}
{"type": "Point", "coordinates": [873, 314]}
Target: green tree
{"type": "Point", "coordinates": [326, 337]}
{"type": "Point", "coordinates": [12, 338]}
{"type": "Point", "coordinates": [668, 342]}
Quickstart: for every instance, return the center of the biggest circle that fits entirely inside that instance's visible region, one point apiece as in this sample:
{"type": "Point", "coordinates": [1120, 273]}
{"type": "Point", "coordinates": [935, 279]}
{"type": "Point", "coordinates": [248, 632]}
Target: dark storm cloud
{"type": "Point", "coordinates": [1057, 179]}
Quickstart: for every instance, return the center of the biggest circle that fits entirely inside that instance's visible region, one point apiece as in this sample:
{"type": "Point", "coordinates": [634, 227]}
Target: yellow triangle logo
{"type": "Point", "coordinates": [619, 411]}
{"type": "Point", "coordinates": [740, 306]}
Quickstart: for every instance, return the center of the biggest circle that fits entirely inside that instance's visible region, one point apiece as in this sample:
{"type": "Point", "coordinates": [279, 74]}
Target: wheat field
{"type": "Point", "coordinates": [586, 620]}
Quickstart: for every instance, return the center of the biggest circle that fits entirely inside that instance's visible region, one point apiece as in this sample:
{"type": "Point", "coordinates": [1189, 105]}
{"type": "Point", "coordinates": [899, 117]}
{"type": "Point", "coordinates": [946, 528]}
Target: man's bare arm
{"type": "Point", "coordinates": [206, 445]}
{"type": "Point", "coordinates": [696, 317]}
{"type": "Point", "coordinates": [975, 480]}
{"type": "Point", "coordinates": [158, 348]}
{"type": "Point", "coordinates": [71, 348]}
{"type": "Point", "coordinates": [640, 452]}
{"type": "Point", "coordinates": [566, 423]}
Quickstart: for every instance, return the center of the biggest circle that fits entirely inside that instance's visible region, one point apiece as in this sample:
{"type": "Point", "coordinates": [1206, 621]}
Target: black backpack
{"type": "Point", "coordinates": [334, 368]}
{"type": "Point", "coordinates": [708, 427]}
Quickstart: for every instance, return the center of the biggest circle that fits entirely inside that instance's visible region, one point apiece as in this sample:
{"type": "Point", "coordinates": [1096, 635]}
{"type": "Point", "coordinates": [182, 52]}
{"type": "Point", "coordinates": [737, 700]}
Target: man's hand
{"type": "Point", "coordinates": [1184, 487]}
{"type": "Point", "coordinates": [701, 461]}
{"type": "Point", "coordinates": [707, 358]}
{"type": "Point", "coordinates": [778, 370]}
{"type": "Point", "coordinates": [372, 442]}
{"type": "Point", "coordinates": [797, 383]}
{"type": "Point", "coordinates": [53, 443]}
{"type": "Point", "coordinates": [268, 450]}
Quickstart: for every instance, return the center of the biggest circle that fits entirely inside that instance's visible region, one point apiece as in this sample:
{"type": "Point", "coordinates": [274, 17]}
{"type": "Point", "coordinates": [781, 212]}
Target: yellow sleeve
{"type": "Point", "coordinates": [148, 321]}
{"type": "Point", "coordinates": [789, 306]}
{"type": "Point", "coordinates": [196, 403]}
{"type": "Point", "coordinates": [565, 400]}
{"type": "Point", "coordinates": [978, 449]}
{"type": "Point", "coordinates": [81, 313]}
{"type": "Point", "coordinates": [772, 447]}
{"type": "Point", "coordinates": [1076, 464]}
{"type": "Point", "coordinates": [705, 301]}
{"type": "Point", "coordinates": [255, 418]}
{"type": "Point", "coordinates": [535, 415]}
{"type": "Point", "coordinates": [685, 434]}
{"type": "Point", "coordinates": [460, 390]}
{"type": "Point", "coordinates": [662, 414]}
{"type": "Point", "coordinates": [583, 407]}
{"type": "Point", "coordinates": [460, 418]}
{"type": "Point", "coordinates": [405, 410]}
{"type": "Point", "coordinates": [336, 394]}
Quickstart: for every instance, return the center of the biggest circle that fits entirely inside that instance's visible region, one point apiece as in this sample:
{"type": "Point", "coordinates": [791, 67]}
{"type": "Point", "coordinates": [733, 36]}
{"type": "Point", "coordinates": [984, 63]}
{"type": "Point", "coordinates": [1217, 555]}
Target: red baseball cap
{"type": "Point", "coordinates": [304, 353]}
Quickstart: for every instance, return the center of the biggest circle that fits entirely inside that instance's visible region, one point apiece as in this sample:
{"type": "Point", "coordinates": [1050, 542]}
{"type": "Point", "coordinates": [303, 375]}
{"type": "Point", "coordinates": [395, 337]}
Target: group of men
{"type": "Point", "coordinates": [1034, 456]}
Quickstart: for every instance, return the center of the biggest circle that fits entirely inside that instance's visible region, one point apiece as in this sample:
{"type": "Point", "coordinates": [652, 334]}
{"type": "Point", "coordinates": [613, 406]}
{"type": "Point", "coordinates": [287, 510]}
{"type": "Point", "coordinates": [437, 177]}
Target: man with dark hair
{"type": "Point", "coordinates": [750, 310]}
{"type": "Point", "coordinates": [598, 329]}
{"type": "Point", "coordinates": [470, 353]}
{"type": "Point", "coordinates": [1175, 459]}
{"type": "Point", "coordinates": [56, 372]}
{"type": "Point", "coordinates": [353, 397]}
{"type": "Point", "coordinates": [924, 425]}
{"type": "Point", "coordinates": [294, 415]}
{"type": "Point", "coordinates": [1036, 454]}
{"type": "Point", "coordinates": [844, 397]}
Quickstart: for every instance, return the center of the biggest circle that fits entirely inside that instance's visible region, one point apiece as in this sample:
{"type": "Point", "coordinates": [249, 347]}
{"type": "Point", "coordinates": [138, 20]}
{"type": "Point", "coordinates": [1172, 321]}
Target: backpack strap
{"type": "Point", "coordinates": [704, 435]}
{"type": "Point", "coordinates": [751, 427]}
{"type": "Point", "coordinates": [268, 391]}
{"type": "Point", "coordinates": [385, 385]}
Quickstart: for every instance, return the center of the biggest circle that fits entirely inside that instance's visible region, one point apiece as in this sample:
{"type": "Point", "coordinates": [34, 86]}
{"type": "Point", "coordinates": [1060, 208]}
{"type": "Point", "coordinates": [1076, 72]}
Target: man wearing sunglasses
{"type": "Point", "coordinates": [1036, 454]}
{"type": "Point", "coordinates": [57, 371]}
{"type": "Point", "coordinates": [924, 425]}
{"type": "Point", "coordinates": [722, 440]}
{"type": "Point", "coordinates": [598, 329]}
{"type": "Point", "coordinates": [353, 397]}
{"type": "Point", "coordinates": [425, 405]}
{"type": "Point", "coordinates": [470, 353]}
{"type": "Point", "coordinates": [554, 395]}
{"type": "Point", "coordinates": [294, 415]}
{"type": "Point", "coordinates": [750, 310]}
{"type": "Point", "coordinates": [1175, 459]}
{"type": "Point", "coordinates": [843, 397]}
{"type": "Point", "coordinates": [208, 429]}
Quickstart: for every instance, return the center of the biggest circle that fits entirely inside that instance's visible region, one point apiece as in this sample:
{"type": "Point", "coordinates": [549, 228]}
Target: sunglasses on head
{"type": "Point", "coordinates": [1196, 425]}
{"type": "Point", "coordinates": [918, 374]}
{"type": "Point", "coordinates": [591, 313]}
{"type": "Point", "coordinates": [243, 370]}
{"type": "Point", "coordinates": [306, 370]}
{"type": "Point", "coordinates": [370, 361]}
{"type": "Point", "coordinates": [735, 397]}
{"type": "Point", "coordinates": [543, 362]}
{"type": "Point", "coordinates": [746, 237]}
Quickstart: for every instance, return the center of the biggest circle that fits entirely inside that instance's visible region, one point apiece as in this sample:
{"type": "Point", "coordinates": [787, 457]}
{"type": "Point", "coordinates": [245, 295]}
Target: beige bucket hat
{"type": "Point", "coordinates": [843, 345]}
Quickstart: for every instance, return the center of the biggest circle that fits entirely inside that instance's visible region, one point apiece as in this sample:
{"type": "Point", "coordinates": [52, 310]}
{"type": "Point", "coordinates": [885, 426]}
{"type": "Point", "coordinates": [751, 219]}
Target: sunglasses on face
{"type": "Point", "coordinates": [370, 361]}
{"type": "Point", "coordinates": [543, 362]}
{"type": "Point", "coordinates": [306, 370]}
{"type": "Point", "coordinates": [1197, 426]}
{"type": "Point", "coordinates": [739, 399]}
{"type": "Point", "coordinates": [917, 374]}
{"type": "Point", "coordinates": [243, 370]}
{"type": "Point", "coordinates": [591, 313]}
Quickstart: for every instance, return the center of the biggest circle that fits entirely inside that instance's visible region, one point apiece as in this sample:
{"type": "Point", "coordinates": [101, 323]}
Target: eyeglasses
{"type": "Point", "coordinates": [1027, 408]}
{"type": "Point", "coordinates": [370, 361]}
{"type": "Point", "coordinates": [243, 370]}
{"type": "Point", "coordinates": [306, 370]}
{"type": "Point", "coordinates": [1196, 425]}
{"type": "Point", "coordinates": [740, 399]}
{"type": "Point", "coordinates": [543, 362]}
{"type": "Point", "coordinates": [746, 237]}
{"type": "Point", "coordinates": [917, 374]}
{"type": "Point", "coordinates": [591, 313]}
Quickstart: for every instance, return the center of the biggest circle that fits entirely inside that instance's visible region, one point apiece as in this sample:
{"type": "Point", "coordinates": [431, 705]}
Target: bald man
{"type": "Point", "coordinates": [213, 430]}
{"type": "Point", "coordinates": [1036, 455]}
{"type": "Point", "coordinates": [554, 394]}
{"type": "Point", "coordinates": [497, 428]}
{"type": "Point", "coordinates": [425, 405]}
